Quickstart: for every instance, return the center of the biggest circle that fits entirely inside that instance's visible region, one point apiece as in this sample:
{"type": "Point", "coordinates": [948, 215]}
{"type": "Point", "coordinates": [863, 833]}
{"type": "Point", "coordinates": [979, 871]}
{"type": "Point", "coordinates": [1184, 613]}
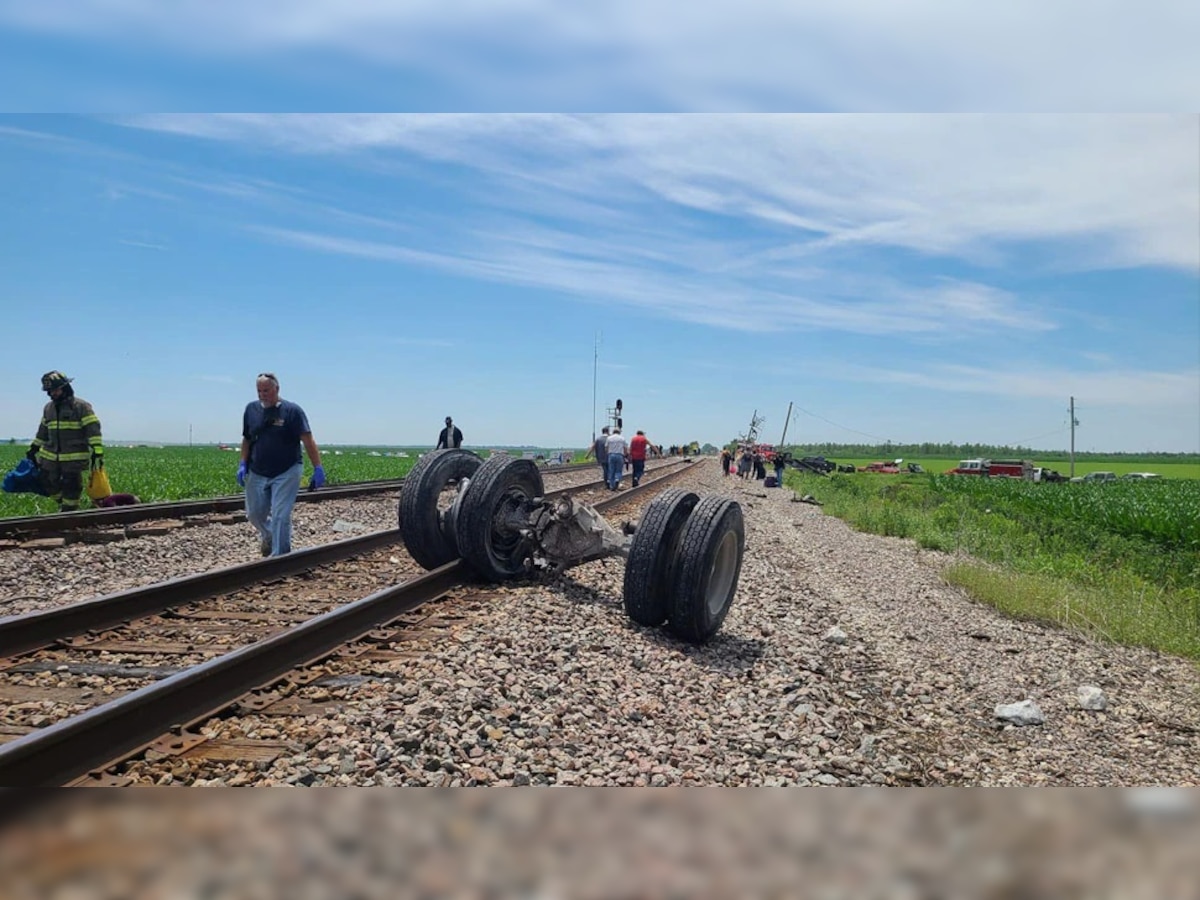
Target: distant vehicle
{"type": "Point", "coordinates": [1094, 477]}
{"type": "Point", "coordinates": [1140, 476]}
{"type": "Point", "coordinates": [995, 468]}
{"type": "Point", "coordinates": [970, 467]}
{"type": "Point", "coordinates": [883, 468]}
{"type": "Point", "coordinates": [818, 464]}
{"type": "Point", "coordinates": [1048, 476]}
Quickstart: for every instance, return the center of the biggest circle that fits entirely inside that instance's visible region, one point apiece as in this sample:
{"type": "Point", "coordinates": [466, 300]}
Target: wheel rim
{"type": "Point", "coordinates": [720, 580]}
{"type": "Point", "coordinates": [504, 537]}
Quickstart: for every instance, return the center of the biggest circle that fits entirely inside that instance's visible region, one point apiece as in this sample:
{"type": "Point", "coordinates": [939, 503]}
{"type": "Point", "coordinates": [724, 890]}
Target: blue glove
{"type": "Point", "coordinates": [318, 477]}
{"type": "Point", "coordinates": [241, 476]}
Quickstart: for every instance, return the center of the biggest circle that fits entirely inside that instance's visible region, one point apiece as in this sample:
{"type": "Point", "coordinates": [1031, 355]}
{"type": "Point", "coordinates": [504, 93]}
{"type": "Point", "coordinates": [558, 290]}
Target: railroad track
{"type": "Point", "coordinates": [59, 524]}
{"type": "Point", "coordinates": [172, 654]}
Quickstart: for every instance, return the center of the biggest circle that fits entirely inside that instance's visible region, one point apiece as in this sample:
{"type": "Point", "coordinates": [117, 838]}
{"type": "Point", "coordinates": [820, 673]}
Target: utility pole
{"type": "Point", "coordinates": [595, 365]}
{"type": "Point", "coordinates": [189, 435]}
{"type": "Point", "coordinates": [785, 425]}
{"type": "Point", "coordinates": [1074, 422]}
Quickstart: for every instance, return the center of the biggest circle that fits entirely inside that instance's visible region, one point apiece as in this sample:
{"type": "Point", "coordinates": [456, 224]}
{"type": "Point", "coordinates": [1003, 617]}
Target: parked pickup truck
{"type": "Point", "coordinates": [1047, 476]}
{"type": "Point", "coordinates": [883, 468]}
{"type": "Point", "coordinates": [1091, 477]}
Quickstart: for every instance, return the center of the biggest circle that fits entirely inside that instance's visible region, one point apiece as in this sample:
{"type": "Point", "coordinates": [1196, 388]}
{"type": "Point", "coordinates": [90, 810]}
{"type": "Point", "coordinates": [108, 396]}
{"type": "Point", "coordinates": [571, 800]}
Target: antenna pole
{"type": "Point", "coordinates": [595, 365]}
{"type": "Point", "coordinates": [1074, 422]}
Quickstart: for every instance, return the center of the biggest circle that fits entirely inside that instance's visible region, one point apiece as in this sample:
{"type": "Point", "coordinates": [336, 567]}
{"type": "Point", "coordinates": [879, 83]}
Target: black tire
{"type": "Point", "coordinates": [707, 569]}
{"type": "Point", "coordinates": [424, 529]}
{"type": "Point", "coordinates": [648, 571]}
{"type": "Point", "coordinates": [492, 508]}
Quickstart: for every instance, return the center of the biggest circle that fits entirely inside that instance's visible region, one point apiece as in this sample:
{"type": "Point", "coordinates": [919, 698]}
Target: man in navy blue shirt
{"type": "Point", "coordinates": [272, 432]}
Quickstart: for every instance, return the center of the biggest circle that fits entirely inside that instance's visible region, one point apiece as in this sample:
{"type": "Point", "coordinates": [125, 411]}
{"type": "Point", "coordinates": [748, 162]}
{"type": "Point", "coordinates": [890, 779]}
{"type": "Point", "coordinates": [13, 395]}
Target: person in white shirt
{"type": "Point", "coordinates": [616, 447]}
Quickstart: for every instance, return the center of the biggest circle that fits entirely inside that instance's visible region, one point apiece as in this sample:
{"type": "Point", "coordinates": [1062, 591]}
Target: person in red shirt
{"type": "Point", "coordinates": [637, 455]}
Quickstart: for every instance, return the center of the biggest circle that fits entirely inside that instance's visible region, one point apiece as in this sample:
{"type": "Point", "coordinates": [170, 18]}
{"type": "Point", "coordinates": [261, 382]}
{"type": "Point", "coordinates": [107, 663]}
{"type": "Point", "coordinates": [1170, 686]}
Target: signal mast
{"type": "Point", "coordinates": [614, 416]}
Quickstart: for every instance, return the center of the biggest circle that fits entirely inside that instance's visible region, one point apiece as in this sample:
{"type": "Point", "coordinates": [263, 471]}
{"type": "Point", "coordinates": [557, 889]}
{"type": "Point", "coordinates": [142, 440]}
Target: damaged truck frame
{"type": "Point", "coordinates": [683, 558]}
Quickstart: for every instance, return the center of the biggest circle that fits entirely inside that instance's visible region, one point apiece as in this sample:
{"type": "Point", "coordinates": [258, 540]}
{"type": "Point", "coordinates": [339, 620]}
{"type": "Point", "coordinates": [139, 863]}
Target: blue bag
{"type": "Point", "coordinates": [24, 479]}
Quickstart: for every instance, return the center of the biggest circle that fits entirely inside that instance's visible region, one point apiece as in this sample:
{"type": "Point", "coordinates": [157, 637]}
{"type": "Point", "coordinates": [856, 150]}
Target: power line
{"type": "Point", "coordinates": [846, 427]}
{"type": "Point", "coordinates": [1037, 437]}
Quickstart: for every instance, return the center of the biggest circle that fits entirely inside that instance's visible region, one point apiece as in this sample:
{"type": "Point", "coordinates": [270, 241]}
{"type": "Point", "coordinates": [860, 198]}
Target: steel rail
{"type": "Point", "coordinates": [58, 523]}
{"type": "Point", "coordinates": [74, 746]}
{"type": "Point", "coordinates": [29, 631]}
{"type": "Point", "coordinates": [172, 509]}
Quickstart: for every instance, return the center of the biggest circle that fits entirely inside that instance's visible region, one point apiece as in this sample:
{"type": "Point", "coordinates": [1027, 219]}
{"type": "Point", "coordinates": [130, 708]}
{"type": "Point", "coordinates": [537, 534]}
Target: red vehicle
{"type": "Point", "coordinates": [995, 468]}
{"type": "Point", "coordinates": [883, 468]}
{"type": "Point", "coordinates": [766, 451]}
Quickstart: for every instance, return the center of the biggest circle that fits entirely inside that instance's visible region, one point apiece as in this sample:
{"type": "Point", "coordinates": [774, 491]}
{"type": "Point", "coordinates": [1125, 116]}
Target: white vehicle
{"type": "Point", "coordinates": [1140, 476]}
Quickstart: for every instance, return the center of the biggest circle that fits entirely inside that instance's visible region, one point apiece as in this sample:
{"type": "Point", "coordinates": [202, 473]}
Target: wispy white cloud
{"type": "Point", "coordinates": [943, 308]}
{"type": "Point", "coordinates": [116, 191]}
{"type": "Point", "coordinates": [1140, 389]}
{"type": "Point", "coordinates": [1112, 191]}
{"type": "Point", "coordinates": [238, 188]}
{"type": "Point", "coordinates": [33, 135]}
{"type": "Point", "coordinates": [418, 342]}
{"type": "Point", "coordinates": [144, 244]}
{"type": "Point", "coordinates": [780, 54]}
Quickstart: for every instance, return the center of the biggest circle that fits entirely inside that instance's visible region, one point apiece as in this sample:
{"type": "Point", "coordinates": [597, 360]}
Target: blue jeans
{"type": "Point", "coordinates": [616, 468]}
{"type": "Point", "coordinates": [269, 503]}
{"type": "Point", "coordinates": [639, 469]}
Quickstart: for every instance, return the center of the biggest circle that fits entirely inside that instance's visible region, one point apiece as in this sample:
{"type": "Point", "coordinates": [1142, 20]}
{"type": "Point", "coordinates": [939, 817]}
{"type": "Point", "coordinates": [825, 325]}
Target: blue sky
{"type": "Point", "coordinates": [897, 277]}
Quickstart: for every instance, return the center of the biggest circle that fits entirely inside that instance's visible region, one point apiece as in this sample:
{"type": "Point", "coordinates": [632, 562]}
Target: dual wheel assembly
{"type": "Point", "coordinates": [682, 561]}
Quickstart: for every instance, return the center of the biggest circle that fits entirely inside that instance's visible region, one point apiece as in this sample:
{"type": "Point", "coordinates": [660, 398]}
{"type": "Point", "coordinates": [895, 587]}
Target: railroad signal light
{"type": "Point", "coordinates": [618, 404]}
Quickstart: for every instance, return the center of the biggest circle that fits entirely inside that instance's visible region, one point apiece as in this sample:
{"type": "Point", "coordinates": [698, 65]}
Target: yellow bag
{"type": "Point", "coordinates": [98, 487]}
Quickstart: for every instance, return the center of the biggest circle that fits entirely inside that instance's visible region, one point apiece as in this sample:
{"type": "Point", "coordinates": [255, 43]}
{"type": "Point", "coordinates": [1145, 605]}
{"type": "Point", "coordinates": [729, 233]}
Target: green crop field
{"type": "Point", "coordinates": [193, 473]}
{"type": "Point", "coordinates": [1120, 560]}
{"type": "Point", "coordinates": [938, 465]}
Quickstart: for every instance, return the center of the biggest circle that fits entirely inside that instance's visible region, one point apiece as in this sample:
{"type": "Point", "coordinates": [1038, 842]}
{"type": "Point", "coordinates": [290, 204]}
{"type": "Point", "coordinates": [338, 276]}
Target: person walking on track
{"type": "Point", "coordinates": [273, 431]}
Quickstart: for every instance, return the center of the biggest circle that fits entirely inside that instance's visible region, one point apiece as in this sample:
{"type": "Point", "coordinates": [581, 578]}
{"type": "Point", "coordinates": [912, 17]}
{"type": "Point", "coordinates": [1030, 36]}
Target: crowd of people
{"type": "Point", "coordinates": [275, 436]}
{"type": "Point", "coordinates": [614, 454]}
{"type": "Point", "coordinates": [750, 463]}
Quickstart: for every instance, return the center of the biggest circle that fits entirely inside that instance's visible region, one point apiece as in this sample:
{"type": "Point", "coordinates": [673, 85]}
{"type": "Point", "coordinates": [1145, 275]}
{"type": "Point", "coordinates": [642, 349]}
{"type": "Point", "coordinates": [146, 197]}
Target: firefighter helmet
{"type": "Point", "coordinates": [52, 381]}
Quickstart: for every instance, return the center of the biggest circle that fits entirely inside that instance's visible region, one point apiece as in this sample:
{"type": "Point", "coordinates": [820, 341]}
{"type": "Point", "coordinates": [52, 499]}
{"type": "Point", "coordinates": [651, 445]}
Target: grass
{"type": "Point", "coordinates": [1118, 561]}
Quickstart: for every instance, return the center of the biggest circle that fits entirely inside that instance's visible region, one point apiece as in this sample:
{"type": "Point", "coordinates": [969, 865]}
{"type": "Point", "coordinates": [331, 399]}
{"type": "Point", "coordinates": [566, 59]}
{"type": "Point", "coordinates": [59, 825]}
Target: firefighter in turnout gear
{"type": "Point", "coordinates": [68, 440]}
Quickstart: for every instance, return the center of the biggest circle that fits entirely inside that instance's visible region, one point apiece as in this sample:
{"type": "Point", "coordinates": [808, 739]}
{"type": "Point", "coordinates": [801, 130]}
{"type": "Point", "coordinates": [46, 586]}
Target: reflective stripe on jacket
{"type": "Point", "coordinates": [69, 432]}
